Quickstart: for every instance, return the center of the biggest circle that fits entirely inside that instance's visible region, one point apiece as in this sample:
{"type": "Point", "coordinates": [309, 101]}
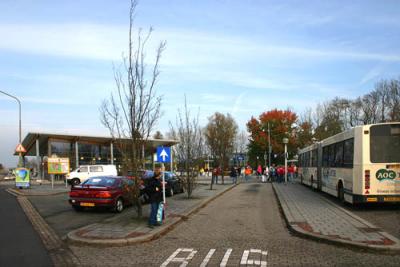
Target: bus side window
{"type": "Point", "coordinates": [348, 153]}
{"type": "Point", "coordinates": [325, 156]}
{"type": "Point", "coordinates": [315, 158]}
{"type": "Point", "coordinates": [332, 155]}
{"type": "Point", "coordinates": [339, 154]}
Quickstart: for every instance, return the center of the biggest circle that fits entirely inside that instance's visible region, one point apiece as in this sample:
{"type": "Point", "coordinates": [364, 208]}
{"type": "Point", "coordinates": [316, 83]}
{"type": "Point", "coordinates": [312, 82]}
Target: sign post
{"type": "Point", "coordinates": [163, 155]}
{"type": "Point", "coordinates": [22, 175]}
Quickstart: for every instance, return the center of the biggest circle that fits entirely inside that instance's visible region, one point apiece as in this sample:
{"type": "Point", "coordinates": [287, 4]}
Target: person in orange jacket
{"type": "Point", "coordinates": [248, 171]}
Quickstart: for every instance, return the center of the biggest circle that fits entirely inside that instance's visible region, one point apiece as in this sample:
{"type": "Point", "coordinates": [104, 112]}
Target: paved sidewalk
{"type": "Point", "coordinates": [310, 214]}
{"type": "Point", "coordinates": [40, 190]}
{"type": "Point", "coordinates": [125, 228]}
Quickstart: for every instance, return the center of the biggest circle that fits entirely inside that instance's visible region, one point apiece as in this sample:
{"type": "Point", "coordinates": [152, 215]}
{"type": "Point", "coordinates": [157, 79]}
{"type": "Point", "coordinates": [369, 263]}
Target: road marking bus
{"type": "Point", "coordinates": [252, 257]}
{"type": "Point", "coordinates": [359, 165]}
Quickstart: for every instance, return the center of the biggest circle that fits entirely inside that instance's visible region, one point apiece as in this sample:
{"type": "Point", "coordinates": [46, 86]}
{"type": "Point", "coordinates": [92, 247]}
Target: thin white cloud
{"type": "Point", "coordinates": [373, 73]}
{"type": "Point", "coordinates": [69, 40]}
{"type": "Point", "coordinates": [238, 103]}
{"type": "Point", "coordinates": [105, 42]}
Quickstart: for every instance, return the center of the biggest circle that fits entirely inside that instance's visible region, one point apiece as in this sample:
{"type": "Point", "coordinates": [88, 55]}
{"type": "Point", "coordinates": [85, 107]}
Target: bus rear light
{"type": "Point", "coordinates": [367, 179]}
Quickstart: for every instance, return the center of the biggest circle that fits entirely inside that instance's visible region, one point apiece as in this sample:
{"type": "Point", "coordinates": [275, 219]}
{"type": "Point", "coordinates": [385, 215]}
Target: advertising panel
{"type": "Point", "coordinates": [58, 165]}
{"type": "Point", "coordinates": [22, 177]}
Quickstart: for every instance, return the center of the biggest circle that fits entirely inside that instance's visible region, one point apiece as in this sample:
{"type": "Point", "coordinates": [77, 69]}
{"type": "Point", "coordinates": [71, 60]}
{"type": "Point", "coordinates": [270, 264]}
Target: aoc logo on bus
{"type": "Point", "coordinates": [384, 174]}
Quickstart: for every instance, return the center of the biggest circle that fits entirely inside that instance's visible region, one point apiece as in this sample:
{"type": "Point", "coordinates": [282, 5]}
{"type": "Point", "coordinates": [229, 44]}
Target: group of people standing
{"type": "Point", "coordinates": [277, 173]}
{"type": "Point", "coordinates": [272, 174]}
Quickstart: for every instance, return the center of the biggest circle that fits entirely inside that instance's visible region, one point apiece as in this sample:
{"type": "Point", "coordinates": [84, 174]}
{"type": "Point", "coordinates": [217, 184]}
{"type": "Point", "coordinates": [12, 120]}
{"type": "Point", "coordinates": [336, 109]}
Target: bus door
{"type": "Point", "coordinates": [319, 166]}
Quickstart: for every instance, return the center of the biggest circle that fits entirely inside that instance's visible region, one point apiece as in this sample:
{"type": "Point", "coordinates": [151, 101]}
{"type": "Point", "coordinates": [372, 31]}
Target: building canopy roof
{"type": "Point", "coordinates": [29, 142]}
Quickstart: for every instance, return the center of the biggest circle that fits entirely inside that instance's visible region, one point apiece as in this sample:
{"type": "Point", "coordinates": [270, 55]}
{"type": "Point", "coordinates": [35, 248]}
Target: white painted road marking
{"type": "Point", "coordinates": [255, 261]}
{"type": "Point", "coordinates": [207, 258]}
{"type": "Point", "coordinates": [226, 258]}
{"type": "Point", "coordinates": [184, 261]}
{"type": "Point", "coordinates": [245, 258]}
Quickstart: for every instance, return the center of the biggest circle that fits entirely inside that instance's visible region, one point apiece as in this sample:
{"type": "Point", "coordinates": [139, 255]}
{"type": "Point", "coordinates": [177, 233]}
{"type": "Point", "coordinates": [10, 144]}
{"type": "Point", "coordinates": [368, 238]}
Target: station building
{"type": "Point", "coordinates": [84, 150]}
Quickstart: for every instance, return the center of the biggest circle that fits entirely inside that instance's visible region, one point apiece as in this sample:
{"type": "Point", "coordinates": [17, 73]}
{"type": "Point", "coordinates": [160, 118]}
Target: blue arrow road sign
{"type": "Point", "coordinates": [163, 154]}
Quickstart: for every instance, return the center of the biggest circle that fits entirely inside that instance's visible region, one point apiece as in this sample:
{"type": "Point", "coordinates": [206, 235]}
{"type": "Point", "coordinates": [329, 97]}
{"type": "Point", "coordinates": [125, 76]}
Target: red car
{"type": "Point", "coordinates": [104, 191]}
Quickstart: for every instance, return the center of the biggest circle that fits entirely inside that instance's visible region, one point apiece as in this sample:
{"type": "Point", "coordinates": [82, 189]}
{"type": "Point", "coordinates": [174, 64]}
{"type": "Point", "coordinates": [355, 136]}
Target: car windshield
{"type": "Point", "coordinates": [100, 181]}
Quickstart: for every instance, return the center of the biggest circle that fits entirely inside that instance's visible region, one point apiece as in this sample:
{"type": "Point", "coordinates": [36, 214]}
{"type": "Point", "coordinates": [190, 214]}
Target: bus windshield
{"type": "Point", "coordinates": [385, 143]}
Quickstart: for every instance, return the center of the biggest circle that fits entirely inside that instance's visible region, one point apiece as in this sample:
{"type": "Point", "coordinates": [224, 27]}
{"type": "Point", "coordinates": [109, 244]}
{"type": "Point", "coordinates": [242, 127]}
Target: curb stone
{"type": "Point", "coordinates": [16, 192]}
{"type": "Point", "coordinates": [59, 254]}
{"type": "Point", "coordinates": [73, 238]}
{"type": "Point", "coordinates": [298, 231]}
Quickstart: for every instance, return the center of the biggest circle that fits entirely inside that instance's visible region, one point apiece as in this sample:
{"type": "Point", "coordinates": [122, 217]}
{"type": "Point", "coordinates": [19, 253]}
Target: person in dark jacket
{"type": "Point", "coordinates": [233, 175]}
{"type": "Point", "coordinates": [154, 191]}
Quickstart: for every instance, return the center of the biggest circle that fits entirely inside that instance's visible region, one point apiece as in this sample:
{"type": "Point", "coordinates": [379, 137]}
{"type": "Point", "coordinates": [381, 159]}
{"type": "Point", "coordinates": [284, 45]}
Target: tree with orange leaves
{"type": "Point", "coordinates": [282, 123]}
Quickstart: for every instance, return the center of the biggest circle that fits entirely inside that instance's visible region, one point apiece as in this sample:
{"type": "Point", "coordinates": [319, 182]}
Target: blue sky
{"type": "Point", "coordinates": [241, 57]}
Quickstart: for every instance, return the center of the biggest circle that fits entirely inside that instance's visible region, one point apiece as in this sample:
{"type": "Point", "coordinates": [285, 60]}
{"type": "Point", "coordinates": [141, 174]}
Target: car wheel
{"type": "Point", "coordinates": [75, 181]}
{"type": "Point", "coordinates": [169, 192]}
{"type": "Point", "coordinates": [77, 208]}
{"type": "Point", "coordinates": [119, 205]}
{"type": "Point", "coordinates": [340, 192]}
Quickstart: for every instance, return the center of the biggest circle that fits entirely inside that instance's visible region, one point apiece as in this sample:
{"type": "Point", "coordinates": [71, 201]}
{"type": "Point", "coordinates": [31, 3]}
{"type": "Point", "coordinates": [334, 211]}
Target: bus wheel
{"type": "Point", "coordinates": [340, 192]}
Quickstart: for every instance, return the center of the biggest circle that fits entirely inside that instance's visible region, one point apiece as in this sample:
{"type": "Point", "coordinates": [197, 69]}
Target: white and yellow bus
{"type": "Point", "coordinates": [359, 165]}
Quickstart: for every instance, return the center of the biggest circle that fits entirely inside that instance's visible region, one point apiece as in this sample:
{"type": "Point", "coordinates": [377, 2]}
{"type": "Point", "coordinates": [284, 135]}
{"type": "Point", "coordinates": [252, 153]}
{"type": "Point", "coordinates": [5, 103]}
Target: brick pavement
{"type": "Point", "coordinates": [40, 190]}
{"type": "Point", "coordinates": [311, 214]}
{"type": "Point", "coordinates": [125, 228]}
{"type": "Point", "coordinates": [245, 218]}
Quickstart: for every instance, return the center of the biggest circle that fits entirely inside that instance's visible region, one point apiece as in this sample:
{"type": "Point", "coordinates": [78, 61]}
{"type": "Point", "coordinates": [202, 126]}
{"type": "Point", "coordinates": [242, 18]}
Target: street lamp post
{"type": "Point", "coordinates": [269, 147]}
{"type": "Point", "coordinates": [20, 163]}
{"type": "Point", "coordinates": [285, 141]}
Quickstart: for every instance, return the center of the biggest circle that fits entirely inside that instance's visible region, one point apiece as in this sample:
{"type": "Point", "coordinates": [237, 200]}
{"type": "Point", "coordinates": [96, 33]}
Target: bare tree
{"type": "Point", "coordinates": [370, 105]}
{"type": "Point", "coordinates": [355, 112]}
{"type": "Point", "coordinates": [394, 97]}
{"type": "Point", "coordinates": [190, 150]}
{"type": "Point", "coordinates": [158, 135]}
{"type": "Point", "coordinates": [134, 107]}
{"type": "Point", "coordinates": [382, 92]}
{"type": "Point", "coordinates": [220, 133]}
{"type": "Point", "coordinates": [241, 142]}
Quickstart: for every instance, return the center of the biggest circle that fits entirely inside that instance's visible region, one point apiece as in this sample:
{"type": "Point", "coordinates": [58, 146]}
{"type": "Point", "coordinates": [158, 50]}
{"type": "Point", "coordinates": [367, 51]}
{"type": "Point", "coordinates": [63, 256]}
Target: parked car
{"type": "Point", "coordinates": [104, 191]}
{"type": "Point", "coordinates": [85, 172]}
{"type": "Point", "coordinates": [173, 184]}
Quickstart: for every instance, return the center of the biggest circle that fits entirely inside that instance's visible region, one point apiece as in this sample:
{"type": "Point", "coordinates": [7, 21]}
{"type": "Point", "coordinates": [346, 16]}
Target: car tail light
{"type": "Point", "coordinates": [103, 195]}
{"type": "Point", "coordinates": [73, 194]}
{"type": "Point", "coordinates": [367, 176]}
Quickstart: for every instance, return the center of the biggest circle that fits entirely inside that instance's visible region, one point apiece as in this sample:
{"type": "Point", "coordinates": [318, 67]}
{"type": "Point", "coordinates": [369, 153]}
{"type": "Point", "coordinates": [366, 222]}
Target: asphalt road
{"type": "Point", "coordinates": [386, 217]}
{"type": "Point", "coordinates": [245, 218]}
{"type": "Point", "coordinates": [59, 214]}
{"type": "Point", "coordinates": [20, 245]}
